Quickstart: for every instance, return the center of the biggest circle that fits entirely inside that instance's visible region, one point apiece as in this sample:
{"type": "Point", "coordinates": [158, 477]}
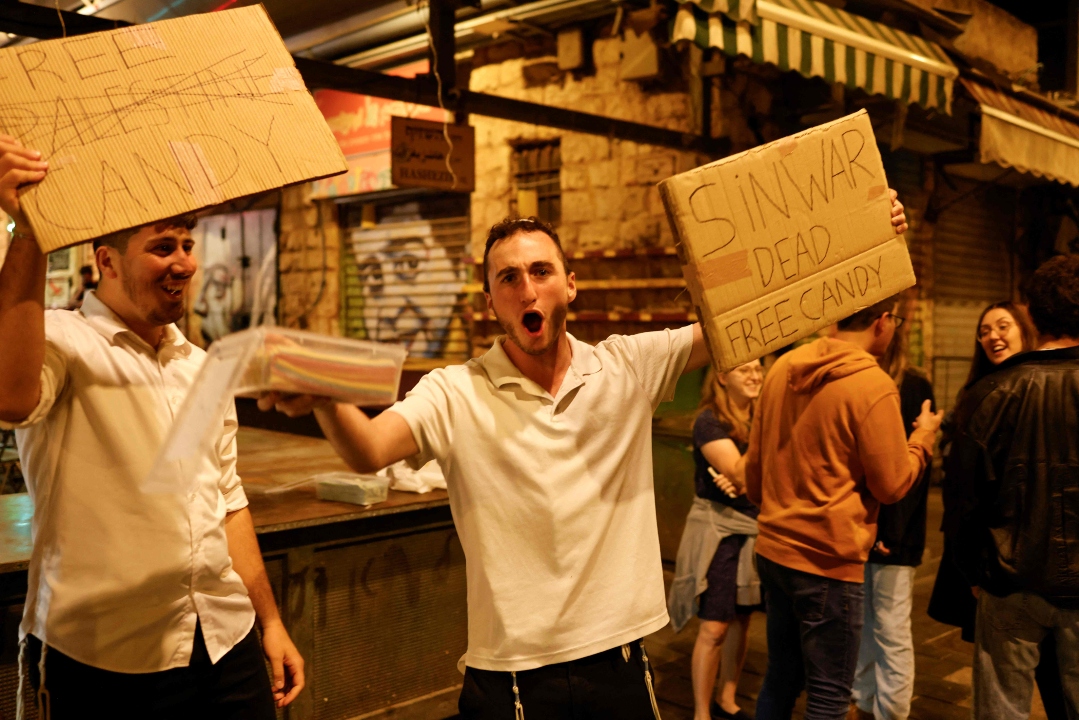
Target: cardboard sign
{"type": "Point", "coordinates": [151, 121]}
{"type": "Point", "coordinates": [782, 240]}
{"type": "Point", "coordinates": [419, 152]}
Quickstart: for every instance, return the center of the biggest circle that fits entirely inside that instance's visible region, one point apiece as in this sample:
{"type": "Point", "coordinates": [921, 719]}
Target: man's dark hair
{"type": "Point", "coordinates": [1053, 297]}
{"type": "Point", "coordinates": [120, 238]}
{"type": "Point", "coordinates": [86, 270]}
{"type": "Point", "coordinates": [510, 227]}
{"type": "Point", "coordinates": [864, 318]}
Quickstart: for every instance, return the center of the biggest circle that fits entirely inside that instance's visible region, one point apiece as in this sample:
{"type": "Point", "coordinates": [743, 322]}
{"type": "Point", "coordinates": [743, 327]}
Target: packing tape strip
{"type": "Point", "coordinates": [718, 271]}
{"type": "Point", "coordinates": [201, 180]}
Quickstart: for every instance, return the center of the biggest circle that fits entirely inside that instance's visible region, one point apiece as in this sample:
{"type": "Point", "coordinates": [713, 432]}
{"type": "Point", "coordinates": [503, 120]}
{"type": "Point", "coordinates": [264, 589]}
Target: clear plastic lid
{"type": "Point", "coordinates": [265, 359]}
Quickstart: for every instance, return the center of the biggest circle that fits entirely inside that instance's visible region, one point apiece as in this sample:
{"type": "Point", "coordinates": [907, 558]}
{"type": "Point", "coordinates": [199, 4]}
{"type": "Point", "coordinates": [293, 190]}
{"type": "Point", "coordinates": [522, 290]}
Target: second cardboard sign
{"type": "Point", "coordinates": [785, 239]}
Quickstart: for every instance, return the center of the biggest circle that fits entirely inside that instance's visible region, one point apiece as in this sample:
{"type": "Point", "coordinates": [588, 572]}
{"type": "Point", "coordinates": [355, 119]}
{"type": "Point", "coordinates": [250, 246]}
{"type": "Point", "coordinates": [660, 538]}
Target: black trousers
{"type": "Point", "coordinates": [237, 687]}
{"type": "Point", "coordinates": [604, 686]}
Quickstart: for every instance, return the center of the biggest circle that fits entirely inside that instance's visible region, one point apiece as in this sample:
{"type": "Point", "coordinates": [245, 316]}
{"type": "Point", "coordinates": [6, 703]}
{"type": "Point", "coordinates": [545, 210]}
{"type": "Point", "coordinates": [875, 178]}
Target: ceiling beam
{"type": "Point", "coordinates": [422, 91]}
{"type": "Point", "coordinates": [43, 23]}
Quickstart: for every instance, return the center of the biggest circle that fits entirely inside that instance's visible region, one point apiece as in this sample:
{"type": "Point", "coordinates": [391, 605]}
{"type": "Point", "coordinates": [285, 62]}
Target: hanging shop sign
{"type": "Point", "coordinates": [419, 153]}
{"type": "Point", "coordinates": [152, 121]}
{"type": "Point", "coordinates": [785, 239]}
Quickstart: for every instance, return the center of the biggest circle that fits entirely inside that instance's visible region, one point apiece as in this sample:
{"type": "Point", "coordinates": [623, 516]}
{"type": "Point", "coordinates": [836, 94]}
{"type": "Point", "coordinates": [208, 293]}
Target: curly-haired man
{"type": "Point", "coordinates": [1020, 539]}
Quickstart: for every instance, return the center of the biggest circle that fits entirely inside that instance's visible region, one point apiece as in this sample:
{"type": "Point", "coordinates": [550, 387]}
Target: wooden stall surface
{"type": "Point", "coordinates": [359, 587]}
{"type": "Point", "coordinates": [267, 459]}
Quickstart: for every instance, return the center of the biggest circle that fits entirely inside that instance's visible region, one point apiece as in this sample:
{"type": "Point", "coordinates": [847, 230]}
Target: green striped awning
{"type": "Point", "coordinates": [734, 9]}
{"type": "Point", "coordinates": [818, 40]}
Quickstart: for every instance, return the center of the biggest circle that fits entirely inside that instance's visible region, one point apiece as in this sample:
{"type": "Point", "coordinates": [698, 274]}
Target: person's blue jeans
{"type": "Point", "coordinates": [814, 628]}
{"type": "Point", "coordinates": [884, 681]}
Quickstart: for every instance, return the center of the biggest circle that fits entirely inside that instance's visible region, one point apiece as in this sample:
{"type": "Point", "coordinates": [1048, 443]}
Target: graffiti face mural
{"type": "Point", "coordinates": [411, 282]}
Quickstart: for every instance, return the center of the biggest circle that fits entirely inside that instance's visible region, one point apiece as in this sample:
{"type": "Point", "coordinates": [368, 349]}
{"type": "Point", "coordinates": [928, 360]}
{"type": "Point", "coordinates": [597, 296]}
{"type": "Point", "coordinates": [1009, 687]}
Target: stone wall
{"type": "Point", "coordinates": [306, 226]}
{"type": "Point", "coordinates": [609, 195]}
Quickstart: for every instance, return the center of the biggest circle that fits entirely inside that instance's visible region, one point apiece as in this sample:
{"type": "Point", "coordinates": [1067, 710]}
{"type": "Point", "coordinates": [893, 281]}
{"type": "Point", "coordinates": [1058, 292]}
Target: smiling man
{"type": "Point", "coordinates": [147, 600]}
{"type": "Point", "coordinates": [546, 444]}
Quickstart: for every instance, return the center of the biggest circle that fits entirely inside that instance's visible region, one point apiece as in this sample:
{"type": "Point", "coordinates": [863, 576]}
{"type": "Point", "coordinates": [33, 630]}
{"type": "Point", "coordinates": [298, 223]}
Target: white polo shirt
{"type": "Point", "coordinates": [552, 496]}
{"type": "Point", "coordinates": [118, 578]}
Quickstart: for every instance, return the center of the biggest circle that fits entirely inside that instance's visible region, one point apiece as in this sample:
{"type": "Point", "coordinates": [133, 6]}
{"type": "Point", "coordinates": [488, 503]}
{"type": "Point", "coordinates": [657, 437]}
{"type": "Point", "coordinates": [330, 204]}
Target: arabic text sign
{"type": "Point", "coordinates": [785, 239]}
{"type": "Point", "coordinates": [148, 122]}
{"type": "Point", "coordinates": [419, 155]}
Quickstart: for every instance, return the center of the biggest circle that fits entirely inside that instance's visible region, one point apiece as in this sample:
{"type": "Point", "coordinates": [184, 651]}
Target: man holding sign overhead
{"type": "Point", "coordinates": [545, 442]}
{"type": "Point", "coordinates": [147, 599]}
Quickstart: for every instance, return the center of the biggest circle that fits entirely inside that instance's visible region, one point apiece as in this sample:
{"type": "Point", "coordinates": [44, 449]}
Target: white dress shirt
{"type": "Point", "coordinates": [118, 577]}
{"type": "Point", "coordinates": [552, 496]}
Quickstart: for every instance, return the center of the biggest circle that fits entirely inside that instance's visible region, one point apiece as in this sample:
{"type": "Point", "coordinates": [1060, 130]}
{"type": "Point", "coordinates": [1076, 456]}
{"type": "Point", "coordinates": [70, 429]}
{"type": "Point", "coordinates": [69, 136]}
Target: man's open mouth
{"type": "Point", "coordinates": [533, 322]}
{"type": "Point", "coordinates": [174, 289]}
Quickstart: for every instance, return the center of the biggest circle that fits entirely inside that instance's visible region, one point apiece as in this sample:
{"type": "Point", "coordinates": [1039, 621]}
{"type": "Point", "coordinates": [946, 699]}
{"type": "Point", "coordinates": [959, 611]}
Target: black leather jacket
{"type": "Point", "coordinates": [1017, 448]}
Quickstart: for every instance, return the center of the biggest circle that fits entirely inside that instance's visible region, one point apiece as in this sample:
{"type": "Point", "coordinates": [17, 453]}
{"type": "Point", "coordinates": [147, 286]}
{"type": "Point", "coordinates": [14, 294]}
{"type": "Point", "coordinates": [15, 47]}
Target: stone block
{"type": "Point", "coordinates": [651, 169]}
{"type": "Point", "coordinates": [484, 79]}
{"type": "Point", "coordinates": [627, 171]}
{"type": "Point", "coordinates": [607, 51]}
{"type": "Point", "coordinates": [603, 173]}
{"type": "Point", "coordinates": [509, 75]}
{"type": "Point", "coordinates": [578, 206]}
{"type": "Point", "coordinates": [606, 80]}
{"type": "Point", "coordinates": [571, 47]}
{"type": "Point", "coordinates": [290, 240]}
{"type": "Point", "coordinates": [625, 105]}
{"type": "Point", "coordinates": [567, 235]}
{"type": "Point", "coordinates": [541, 71]}
{"type": "Point", "coordinates": [576, 177]}
{"type": "Point", "coordinates": [639, 232]}
{"type": "Point", "coordinates": [288, 261]}
{"type": "Point", "coordinates": [633, 201]}
{"type": "Point", "coordinates": [608, 203]}
{"type": "Point", "coordinates": [597, 235]}
{"type": "Point", "coordinates": [579, 148]}
{"type": "Point", "coordinates": [653, 202]}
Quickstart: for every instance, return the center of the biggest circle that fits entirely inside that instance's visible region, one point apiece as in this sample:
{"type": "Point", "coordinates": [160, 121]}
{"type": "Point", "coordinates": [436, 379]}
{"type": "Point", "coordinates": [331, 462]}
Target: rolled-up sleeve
{"type": "Point", "coordinates": [53, 377]}
{"type": "Point", "coordinates": [231, 486]}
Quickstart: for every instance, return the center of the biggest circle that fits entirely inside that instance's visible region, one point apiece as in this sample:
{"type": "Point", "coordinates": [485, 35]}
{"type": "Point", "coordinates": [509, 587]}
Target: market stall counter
{"type": "Point", "coordinates": [373, 597]}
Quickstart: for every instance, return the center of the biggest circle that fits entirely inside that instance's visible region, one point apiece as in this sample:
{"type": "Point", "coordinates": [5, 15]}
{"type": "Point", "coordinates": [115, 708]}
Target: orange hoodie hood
{"type": "Point", "coordinates": [826, 360]}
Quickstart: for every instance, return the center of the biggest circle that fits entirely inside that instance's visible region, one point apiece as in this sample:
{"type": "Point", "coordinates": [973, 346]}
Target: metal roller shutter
{"type": "Point", "coordinates": [972, 267]}
{"type": "Point", "coordinates": [390, 623]}
{"type": "Point", "coordinates": [404, 280]}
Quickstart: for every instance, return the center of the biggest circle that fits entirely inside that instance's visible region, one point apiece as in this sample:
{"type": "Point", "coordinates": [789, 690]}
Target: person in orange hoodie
{"type": "Point", "coordinates": [826, 448]}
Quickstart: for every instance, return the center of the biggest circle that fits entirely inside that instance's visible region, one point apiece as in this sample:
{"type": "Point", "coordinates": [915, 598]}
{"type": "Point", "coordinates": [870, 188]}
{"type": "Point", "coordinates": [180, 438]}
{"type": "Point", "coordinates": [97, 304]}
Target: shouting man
{"type": "Point", "coordinates": [545, 442]}
{"type": "Point", "coordinates": [148, 600]}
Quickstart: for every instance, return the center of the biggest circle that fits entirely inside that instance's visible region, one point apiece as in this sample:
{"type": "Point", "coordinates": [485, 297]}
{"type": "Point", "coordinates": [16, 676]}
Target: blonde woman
{"type": "Point", "coordinates": [716, 576]}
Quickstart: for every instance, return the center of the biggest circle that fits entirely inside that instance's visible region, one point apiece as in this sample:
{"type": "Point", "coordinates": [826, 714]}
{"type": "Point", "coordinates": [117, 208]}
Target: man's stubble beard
{"type": "Point", "coordinates": [552, 325]}
{"type": "Point", "coordinates": [155, 317]}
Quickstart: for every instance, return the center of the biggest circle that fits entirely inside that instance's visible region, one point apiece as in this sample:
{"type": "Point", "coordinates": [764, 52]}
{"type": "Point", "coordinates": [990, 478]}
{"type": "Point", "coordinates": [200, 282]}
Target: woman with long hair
{"type": "Point", "coordinates": [716, 573]}
{"type": "Point", "coordinates": [1003, 330]}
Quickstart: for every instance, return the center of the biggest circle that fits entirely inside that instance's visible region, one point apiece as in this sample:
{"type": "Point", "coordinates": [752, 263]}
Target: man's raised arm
{"type": "Point", "coordinates": [22, 290]}
{"type": "Point", "coordinates": [366, 444]}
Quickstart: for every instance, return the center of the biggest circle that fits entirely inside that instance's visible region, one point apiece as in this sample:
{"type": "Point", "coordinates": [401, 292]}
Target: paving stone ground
{"type": "Point", "coordinates": [942, 659]}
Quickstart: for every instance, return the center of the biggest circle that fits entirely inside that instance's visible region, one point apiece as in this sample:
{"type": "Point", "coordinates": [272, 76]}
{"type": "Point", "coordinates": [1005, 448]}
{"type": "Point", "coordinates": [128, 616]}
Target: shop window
{"type": "Point", "coordinates": [536, 182]}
